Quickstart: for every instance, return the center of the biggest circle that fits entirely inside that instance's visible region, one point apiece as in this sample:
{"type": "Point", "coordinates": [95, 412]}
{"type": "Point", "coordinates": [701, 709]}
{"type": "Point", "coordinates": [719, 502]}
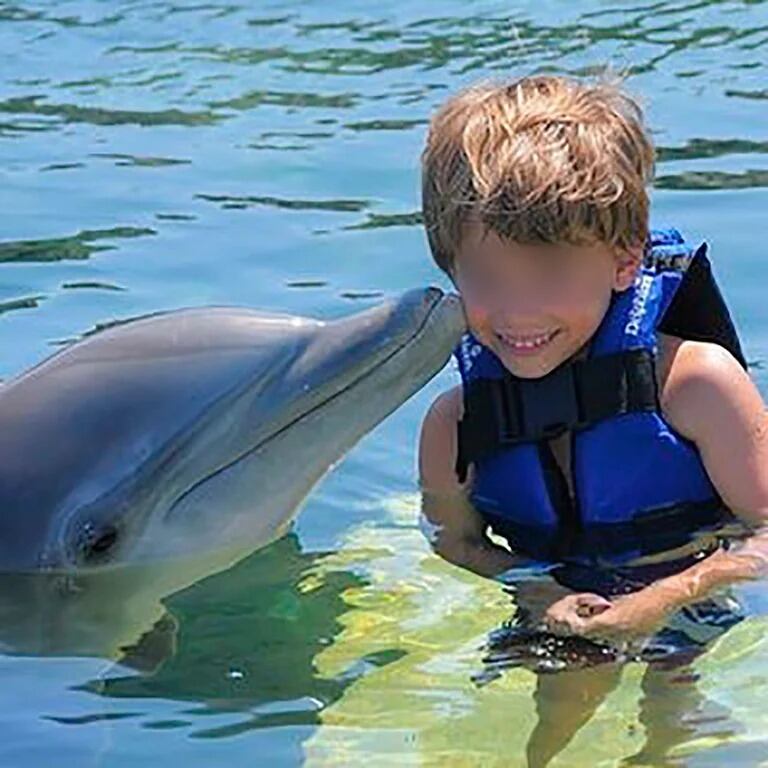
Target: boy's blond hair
{"type": "Point", "coordinates": [542, 159]}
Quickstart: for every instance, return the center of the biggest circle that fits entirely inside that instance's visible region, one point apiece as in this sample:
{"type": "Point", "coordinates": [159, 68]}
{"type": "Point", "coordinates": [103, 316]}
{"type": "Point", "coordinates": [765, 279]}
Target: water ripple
{"type": "Point", "coordinates": [385, 220]}
{"type": "Point", "coordinates": [122, 159]}
{"type": "Point", "coordinates": [310, 100]}
{"type": "Point", "coordinates": [759, 94]}
{"type": "Point", "coordinates": [28, 302]}
{"type": "Point", "coordinates": [92, 284]}
{"type": "Point", "coordinates": [700, 148]}
{"type": "Point", "coordinates": [73, 113]}
{"type": "Point", "coordinates": [711, 180]}
{"type": "Point", "coordinates": [248, 201]}
{"type": "Point", "coordinates": [79, 246]}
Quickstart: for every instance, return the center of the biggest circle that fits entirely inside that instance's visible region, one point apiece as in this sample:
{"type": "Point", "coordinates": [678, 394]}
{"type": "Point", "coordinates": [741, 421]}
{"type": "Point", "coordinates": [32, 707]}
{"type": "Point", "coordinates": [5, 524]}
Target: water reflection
{"type": "Point", "coordinates": [242, 642]}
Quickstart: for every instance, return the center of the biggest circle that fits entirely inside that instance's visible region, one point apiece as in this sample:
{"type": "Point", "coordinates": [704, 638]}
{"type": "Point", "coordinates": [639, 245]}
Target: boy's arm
{"type": "Point", "coordinates": [453, 526]}
{"type": "Point", "coordinates": [709, 399]}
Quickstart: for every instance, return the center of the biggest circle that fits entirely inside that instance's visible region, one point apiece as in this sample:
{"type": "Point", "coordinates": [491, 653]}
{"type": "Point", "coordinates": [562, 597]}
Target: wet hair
{"type": "Point", "coordinates": [542, 159]}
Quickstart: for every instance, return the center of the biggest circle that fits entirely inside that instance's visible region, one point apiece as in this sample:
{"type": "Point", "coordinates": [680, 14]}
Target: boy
{"type": "Point", "coordinates": [535, 204]}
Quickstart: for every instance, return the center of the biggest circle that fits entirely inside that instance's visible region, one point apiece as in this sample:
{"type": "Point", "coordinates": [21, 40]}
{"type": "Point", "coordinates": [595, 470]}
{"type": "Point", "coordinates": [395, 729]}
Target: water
{"type": "Point", "coordinates": [157, 155]}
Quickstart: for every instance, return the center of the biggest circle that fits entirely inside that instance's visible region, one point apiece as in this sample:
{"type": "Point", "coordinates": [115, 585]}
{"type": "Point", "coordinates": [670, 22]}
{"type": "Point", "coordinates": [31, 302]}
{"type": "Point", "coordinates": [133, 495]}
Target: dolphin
{"type": "Point", "coordinates": [151, 454]}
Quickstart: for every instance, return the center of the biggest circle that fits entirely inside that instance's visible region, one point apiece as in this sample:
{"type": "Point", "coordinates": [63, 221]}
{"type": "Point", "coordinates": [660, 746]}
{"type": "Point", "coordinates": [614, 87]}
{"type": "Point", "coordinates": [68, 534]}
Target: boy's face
{"type": "Point", "coordinates": [536, 305]}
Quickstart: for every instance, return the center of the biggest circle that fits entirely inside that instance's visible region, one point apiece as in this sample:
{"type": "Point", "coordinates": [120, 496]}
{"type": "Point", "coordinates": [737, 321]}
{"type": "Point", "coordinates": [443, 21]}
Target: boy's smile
{"type": "Point", "coordinates": [526, 345]}
{"type": "Point", "coordinates": [536, 305]}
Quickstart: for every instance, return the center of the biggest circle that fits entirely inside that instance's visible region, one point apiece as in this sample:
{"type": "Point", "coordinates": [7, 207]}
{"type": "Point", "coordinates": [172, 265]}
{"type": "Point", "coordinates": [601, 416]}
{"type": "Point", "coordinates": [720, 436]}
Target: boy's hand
{"type": "Point", "coordinates": [629, 616]}
{"type": "Point", "coordinates": [568, 615]}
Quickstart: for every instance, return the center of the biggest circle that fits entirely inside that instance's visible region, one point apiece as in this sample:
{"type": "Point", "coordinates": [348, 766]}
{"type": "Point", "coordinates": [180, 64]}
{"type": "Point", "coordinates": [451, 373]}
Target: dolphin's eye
{"type": "Point", "coordinates": [96, 542]}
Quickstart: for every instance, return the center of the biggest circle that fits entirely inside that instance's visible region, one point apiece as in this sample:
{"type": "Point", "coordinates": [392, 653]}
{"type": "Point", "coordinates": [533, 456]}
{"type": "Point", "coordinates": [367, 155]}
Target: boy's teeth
{"type": "Point", "coordinates": [526, 343]}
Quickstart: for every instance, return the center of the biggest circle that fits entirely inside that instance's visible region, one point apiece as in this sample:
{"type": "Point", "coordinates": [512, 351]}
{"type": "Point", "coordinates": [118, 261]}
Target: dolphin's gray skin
{"type": "Point", "coordinates": [177, 444]}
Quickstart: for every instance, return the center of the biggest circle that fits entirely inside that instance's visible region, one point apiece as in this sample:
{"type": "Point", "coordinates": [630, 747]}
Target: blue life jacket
{"type": "Point", "coordinates": [639, 486]}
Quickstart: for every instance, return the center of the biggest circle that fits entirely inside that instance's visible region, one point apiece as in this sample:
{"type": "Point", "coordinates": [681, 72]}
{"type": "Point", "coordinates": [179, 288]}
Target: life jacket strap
{"type": "Point", "coordinates": [698, 310]}
{"type": "Point", "coordinates": [499, 413]}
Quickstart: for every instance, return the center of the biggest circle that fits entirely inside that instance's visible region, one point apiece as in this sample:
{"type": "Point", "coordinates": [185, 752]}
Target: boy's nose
{"type": "Point", "coordinates": [523, 312]}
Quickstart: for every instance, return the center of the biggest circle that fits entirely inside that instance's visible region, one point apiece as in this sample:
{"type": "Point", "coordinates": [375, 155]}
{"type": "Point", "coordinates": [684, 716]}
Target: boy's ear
{"type": "Point", "coordinates": [627, 263]}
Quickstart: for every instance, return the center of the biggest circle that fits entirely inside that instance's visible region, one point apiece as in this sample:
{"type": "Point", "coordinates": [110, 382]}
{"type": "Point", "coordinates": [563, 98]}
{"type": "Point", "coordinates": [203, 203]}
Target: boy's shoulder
{"type": "Point", "coordinates": [438, 444]}
{"type": "Point", "coordinates": [447, 406]}
{"type": "Point", "coordinates": [709, 398]}
{"type": "Point", "coordinates": [697, 378]}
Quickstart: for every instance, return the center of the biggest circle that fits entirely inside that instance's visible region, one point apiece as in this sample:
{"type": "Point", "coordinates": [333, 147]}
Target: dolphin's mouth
{"type": "Point", "coordinates": [438, 298]}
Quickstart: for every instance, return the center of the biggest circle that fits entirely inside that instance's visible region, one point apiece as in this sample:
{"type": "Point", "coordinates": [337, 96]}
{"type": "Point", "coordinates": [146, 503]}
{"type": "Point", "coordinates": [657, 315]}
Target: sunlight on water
{"type": "Point", "coordinates": [423, 708]}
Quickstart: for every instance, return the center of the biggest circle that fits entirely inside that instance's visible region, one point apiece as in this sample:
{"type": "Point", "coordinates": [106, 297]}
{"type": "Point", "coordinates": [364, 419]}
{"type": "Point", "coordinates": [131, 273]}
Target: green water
{"type": "Point", "coordinates": [159, 154]}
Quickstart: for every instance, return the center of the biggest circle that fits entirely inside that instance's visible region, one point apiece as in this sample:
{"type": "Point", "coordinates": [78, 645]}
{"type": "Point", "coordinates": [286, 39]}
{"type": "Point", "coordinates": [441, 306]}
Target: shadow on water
{"type": "Point", "coordinates": [245, 641]}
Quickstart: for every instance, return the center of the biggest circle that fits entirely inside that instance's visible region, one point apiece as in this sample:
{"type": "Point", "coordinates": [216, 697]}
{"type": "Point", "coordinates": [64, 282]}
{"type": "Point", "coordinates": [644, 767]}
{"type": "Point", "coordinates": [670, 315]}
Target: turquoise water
{"type": "Point", "coordinates": [157, 155]}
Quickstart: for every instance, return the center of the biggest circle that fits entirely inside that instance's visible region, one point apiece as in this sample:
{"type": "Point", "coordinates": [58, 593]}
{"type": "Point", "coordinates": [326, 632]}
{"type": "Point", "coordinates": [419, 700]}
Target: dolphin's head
{"type": "Point", "coordinates": [203, 430]}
